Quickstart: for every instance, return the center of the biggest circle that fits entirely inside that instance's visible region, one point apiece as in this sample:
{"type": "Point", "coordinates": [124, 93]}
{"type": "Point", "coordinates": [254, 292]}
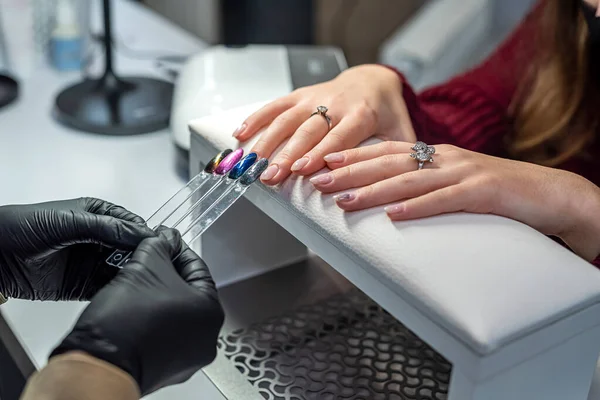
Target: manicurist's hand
{"type": "Point", "coordinates": [158, 319]}
{"type": "Point", "coordinates": [57, 250]}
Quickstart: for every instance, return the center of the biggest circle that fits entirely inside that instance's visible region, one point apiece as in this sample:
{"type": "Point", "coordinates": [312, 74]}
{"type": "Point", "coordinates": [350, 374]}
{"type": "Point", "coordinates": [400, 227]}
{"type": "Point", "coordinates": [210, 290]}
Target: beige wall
{"type": "Point", "coordinates": [360, 26]}
{"type": "Point", "coordinates": [357, 26]}
{"type": "Point", "coordinates": [200, 17]}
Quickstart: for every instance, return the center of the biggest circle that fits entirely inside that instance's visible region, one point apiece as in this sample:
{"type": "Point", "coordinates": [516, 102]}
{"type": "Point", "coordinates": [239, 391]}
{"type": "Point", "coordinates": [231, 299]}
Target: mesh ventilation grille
{"type": "Point", "coordinates": [344, 348]}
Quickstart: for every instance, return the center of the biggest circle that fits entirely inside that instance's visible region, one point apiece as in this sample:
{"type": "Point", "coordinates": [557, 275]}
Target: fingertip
{"type": "Point", "coordinates": [334, 157]}
{"type": "Point", "coordinates": [240, 131]}
{"type": "Point", "coordinates": [171, 238]}
{"type": "Point", "coordinates": [313, 165]}
{"type": "Point", "coordinates": [396, 212]}
{"type": "Point", "coordinates": [281, 176]}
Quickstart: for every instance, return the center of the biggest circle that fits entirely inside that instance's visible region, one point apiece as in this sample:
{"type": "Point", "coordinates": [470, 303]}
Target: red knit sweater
{"type": "Point", "coordinates": [471, 110]}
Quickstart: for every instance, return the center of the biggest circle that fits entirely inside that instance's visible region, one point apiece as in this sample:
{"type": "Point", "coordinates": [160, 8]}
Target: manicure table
{"type": "Point", "coordinates": [458, 307]}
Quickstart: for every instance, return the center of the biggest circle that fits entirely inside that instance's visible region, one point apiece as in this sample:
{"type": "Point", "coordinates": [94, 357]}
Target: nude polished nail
{"type": "Point", "coordinates": [334, 158]}
{"type": "Point", "coordinates": [301, 163]}
{"type": "Point", "coordinates": [270, 172]}
{"type": "Point", "coordinates": [395, 209]}
{"type": "Point", "coordinates": [239, 130]}
{"type": "Point", "coordinates": [321, 179]}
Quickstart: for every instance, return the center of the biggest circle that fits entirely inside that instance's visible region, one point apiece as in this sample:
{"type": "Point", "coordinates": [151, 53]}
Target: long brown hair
{"type": "Point", "coordinates": [555, 110]}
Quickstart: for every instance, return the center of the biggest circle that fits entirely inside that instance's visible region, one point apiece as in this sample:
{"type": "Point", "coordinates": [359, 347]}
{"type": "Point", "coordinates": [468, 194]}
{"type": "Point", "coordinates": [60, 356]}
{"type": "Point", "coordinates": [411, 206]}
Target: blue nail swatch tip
{"type": "Point", "coordinates": [242, 166]}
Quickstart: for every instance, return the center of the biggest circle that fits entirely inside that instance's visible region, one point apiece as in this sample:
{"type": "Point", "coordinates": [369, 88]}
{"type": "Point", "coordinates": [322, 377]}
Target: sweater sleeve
{"type": "Point", "coordinates": [472, 110]}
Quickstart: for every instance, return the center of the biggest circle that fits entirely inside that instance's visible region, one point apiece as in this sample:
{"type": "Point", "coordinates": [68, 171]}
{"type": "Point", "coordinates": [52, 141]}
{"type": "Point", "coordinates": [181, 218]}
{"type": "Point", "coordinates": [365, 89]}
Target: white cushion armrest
{"type": "Point", "coordinates": [486, 281]}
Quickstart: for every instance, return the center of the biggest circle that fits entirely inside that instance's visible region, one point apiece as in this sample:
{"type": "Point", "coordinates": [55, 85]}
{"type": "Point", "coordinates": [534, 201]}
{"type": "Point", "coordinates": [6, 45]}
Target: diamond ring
{"type": "Point", "coordinates": [422, 153]}
{"type": "Point", "coordinates": [322, 111]}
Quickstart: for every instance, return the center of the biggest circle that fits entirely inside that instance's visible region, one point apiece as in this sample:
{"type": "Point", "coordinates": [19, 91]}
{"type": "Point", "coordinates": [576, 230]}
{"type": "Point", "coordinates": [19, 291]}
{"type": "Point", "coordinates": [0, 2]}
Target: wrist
{"type": "Point", "coordinates": [582, 234]}
{"type": "Point", "coordinates": [91, 342]}
{"type": "Point", "coordinates": [77, 375]}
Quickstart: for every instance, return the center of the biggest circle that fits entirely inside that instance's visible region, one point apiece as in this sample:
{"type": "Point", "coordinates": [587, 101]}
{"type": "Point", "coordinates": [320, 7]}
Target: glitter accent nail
{"type": "Point", "coordinates": [343, 198]}
{"type": "Point", "coordinates": [254, 172]}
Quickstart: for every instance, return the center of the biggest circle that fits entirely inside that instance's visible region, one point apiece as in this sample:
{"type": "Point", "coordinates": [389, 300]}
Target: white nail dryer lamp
{"type": "Point", "coordinates": [222, 78]}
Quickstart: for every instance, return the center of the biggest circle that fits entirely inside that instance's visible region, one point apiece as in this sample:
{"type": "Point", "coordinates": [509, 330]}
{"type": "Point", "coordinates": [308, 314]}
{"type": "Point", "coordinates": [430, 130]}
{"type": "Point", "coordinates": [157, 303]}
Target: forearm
{"type": "Point", "coordinates": [583, 232]}
{"type": "Point", "coordinates": [79, 376]}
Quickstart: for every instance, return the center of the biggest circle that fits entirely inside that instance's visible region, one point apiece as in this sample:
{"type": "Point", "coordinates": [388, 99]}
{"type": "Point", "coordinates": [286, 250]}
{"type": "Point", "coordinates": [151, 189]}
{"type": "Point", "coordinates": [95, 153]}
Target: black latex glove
{"type": "Point", "coordinates": [57, 250]}
{"type": "Point", "coordinates": [158, 320]}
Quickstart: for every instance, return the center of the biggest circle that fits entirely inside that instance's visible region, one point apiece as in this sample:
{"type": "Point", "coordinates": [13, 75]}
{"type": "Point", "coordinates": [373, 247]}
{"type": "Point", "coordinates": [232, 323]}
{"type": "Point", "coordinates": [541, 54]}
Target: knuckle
{"type": "Point", "coordinates": [284, 158]}
{"type": "Point", "coordinates": [352, 155]}
{"type": "Point", "coordinates": [337, 138]}
{"type": "Point", "coordinates": [480, 195]}
{"type": "Point", "coordinates": [338, 98]}
{"type": "Point", "coordinates": [450, 153]}
{"type": "Point", "coordinates": [454, 192]}
{"type": "Point", "coordinates": [366, 193]}
{"type": "Point", "coordinates": [470, 168]}
{"type": "Point", "coordinates": [343, 174]}
{"type": "Point", "coordinates": [388, 161]}
{"type": "Point", "coordinates": [300, 92]}
{"type": "Point", "coordinates": [393, 146]}
{"type": "Point", "coordinates": [281, 121]}
{"type": "Point", "coordinates": [260, 146]}
{"type": "Point", "coordinates": [366, 113]}
{"type": "Point", "coordinates": [488, 181]}
{"type": "Point", "coordinates": [303, 131]}
{"type": "Point", "coordinates": [408, 179]}
{"type": "Point", "coordinates": [447, 148]}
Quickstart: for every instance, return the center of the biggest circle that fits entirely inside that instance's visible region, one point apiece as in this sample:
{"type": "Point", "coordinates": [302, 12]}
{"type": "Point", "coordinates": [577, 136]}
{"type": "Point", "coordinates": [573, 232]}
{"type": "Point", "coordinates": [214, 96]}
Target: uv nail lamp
{"type": "Point", "coordinates": [221, 78]}
{"type": "Point", "coordinates": [457, 307]}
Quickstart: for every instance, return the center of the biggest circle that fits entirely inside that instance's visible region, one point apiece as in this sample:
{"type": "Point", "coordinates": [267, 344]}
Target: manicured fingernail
{"type": "Point", "coordinates": [270, 172]}
{"type": "Point", "coordinates": [301, 163]}
{"type": "Point", "coordinates": [343, 198]}
{"type": "Point", "coordinates": [321, 179]}
{"type": "Point", "coordinates": [395, 209]}
{"type": "Point", "coordinates": [334, 157]}
{"type": "Point", "coordinates": [240, 129]}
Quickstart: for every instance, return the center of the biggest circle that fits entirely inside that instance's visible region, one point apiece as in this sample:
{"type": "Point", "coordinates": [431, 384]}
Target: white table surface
{"type": "Point", "coordinates": [41, 160]}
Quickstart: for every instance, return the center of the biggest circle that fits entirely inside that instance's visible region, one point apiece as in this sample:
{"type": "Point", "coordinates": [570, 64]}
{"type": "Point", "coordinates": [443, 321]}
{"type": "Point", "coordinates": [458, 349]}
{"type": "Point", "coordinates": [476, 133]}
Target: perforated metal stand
{"type": "Point", "coordinates": [342, 347]}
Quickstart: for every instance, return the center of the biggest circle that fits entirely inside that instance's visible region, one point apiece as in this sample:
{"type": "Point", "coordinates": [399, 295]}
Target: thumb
{"type": "Point", "coordinates": [81, 227]}
{"type": "Point", "coordinates": [156, 253]}
{"type": "Point", "coordinates": [188, 265]}
{"type": "Point", "coordinates": [194, 270]}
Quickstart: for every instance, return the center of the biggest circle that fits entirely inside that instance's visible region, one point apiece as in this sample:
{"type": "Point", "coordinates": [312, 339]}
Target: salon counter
{"type": "Point", "coordinates": [41, 160]}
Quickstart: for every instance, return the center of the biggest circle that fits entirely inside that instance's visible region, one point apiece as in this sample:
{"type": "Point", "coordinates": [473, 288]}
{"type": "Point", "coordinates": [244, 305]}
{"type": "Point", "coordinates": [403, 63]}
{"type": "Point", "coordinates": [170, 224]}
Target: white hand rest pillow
{"type": "Point", "coordinates": [485, 280]}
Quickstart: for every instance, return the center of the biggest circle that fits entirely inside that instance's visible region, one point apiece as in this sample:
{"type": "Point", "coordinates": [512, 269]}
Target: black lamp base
{"type": "Point", "coordinates": [116, 106]}
{"type": "Point", "coordinates": [9, 90]}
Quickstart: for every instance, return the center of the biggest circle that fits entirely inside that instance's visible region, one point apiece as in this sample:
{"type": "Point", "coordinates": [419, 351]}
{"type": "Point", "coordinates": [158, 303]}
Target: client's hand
{"type": "Point", "coordinates": [555, 202]}
{"type": "Point", "coordinates": [56, 250]}
{"type": "Point", "coordinates": [363, 102]}
{"type": "Point", "coordinates": [157, 319]}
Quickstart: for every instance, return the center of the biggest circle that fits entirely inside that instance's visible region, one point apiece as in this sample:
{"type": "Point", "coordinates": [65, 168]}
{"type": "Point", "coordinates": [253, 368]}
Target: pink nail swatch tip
{"type": "Point", "coordinates": [229, 162]}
